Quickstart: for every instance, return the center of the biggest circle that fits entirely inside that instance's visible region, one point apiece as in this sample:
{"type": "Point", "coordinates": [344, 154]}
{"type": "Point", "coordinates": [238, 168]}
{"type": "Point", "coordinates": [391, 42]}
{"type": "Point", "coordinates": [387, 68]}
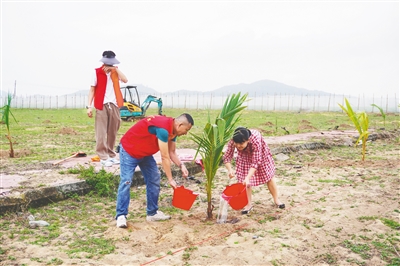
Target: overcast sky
{"type": "Point", "coordinates": [51, 48]}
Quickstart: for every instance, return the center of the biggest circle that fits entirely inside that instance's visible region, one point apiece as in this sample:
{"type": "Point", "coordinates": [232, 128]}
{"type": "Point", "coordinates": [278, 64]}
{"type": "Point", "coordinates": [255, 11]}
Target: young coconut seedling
{"type": "Point", "coordinates": [361, 122]}
{"type": "Point", "coordinates": [5, 119]}
{"type": "Point", "coordinates": [214, 137]}
{"type": "Point", "coordinates": [382, 113]}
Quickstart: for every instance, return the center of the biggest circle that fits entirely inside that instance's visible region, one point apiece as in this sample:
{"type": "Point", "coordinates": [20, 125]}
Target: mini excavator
{"type": "Point", "coordinates": [132, 108]}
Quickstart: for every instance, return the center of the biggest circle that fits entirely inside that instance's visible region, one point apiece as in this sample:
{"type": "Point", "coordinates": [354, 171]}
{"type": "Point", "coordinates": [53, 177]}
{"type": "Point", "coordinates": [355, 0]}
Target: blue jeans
{"type": "Point", "coordinates": [151, 175]}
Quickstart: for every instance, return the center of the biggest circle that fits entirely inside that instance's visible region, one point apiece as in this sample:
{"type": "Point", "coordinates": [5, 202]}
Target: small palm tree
{"type": "Point", "coordinates": [361, 122]}
{"type": "Point", "coordinates": [382, 113]}
{"type": "Point", "coordinates": [214, 138]}
{"type": "Point", "coordinates": [5, 119]}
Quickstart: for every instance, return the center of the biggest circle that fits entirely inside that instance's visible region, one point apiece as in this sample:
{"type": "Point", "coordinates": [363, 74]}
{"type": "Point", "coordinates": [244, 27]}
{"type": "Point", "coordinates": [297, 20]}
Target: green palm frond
{"type": "Point", "coordinates": [6, 114]}
{"type": "Point", "coordinates": [382, 113]}
{"type": "Point", "coordinates": [214, 137]}
{"type": "Point", "coordinates": [361, 122]}
{"type": "Point", "coordinates": [352, 115]}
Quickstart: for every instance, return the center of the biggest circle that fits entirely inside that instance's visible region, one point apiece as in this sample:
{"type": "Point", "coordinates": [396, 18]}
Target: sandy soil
{"type": "Point", "coordinates": [325, 196]}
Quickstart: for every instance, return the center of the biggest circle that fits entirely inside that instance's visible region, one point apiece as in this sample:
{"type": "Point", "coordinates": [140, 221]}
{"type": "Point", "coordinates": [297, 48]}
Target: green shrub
{"type": "Point", "coordinates": [104, 184]}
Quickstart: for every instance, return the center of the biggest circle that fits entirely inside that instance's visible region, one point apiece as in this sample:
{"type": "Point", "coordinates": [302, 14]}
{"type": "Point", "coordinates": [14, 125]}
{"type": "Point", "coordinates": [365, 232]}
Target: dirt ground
{"type": "Point", "coordinates": [334, 202]}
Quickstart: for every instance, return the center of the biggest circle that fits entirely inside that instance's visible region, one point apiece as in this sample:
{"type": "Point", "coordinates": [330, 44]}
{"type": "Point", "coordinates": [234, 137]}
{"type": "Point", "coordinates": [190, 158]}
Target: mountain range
{"type": "Point", "coordinates": [256, 88]}
{"type": "Point", "coordinates": [259, 87]}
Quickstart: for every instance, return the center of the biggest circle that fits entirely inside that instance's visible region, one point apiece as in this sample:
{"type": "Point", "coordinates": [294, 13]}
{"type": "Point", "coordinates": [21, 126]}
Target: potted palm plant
{"type": "Point", "coordinates": [214, 137]}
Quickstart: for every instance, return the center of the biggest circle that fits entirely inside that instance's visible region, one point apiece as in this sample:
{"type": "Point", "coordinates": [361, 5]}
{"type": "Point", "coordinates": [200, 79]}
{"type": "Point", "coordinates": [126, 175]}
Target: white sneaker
{"type": "Point", "coordinates": [121, 221]}
{"type": "Point", "coordinates": [159, 216]}
{"type": "Point", "coordinates": [106, 163]}
{"type": "Point", "coordinates": [114, 160]}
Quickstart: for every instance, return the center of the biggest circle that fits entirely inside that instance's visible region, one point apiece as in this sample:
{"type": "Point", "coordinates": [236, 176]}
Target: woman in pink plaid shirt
{"type": "Point", "coordinates": [254, 163]}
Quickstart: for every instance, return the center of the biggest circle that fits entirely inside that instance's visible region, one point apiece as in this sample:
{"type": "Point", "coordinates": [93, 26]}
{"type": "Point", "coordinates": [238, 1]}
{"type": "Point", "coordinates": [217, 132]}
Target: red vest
{"type": "Point", "coordinates": [100, 89]}
{"type": "Point", "coordinates": [138, 142]}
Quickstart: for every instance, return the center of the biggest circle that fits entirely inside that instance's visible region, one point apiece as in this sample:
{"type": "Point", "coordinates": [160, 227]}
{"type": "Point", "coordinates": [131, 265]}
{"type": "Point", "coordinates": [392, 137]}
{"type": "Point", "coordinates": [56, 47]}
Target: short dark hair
{"type": "Point", "coordinates": [241, 135]}
{"type": "Point", "coordinates": [108, 54]}
{"type": "Point", "coordinates": [188, 117]}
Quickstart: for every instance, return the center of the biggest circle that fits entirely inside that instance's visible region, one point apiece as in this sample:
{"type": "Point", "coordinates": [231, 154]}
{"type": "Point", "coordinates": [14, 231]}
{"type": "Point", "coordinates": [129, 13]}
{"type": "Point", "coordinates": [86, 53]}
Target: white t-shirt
{"type": "Point", "coordinates": [109, 97]}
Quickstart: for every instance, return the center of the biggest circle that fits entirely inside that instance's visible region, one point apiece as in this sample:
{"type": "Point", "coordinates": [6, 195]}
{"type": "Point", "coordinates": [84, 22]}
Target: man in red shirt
{"type": "Point", "coordinates": [137, 147]}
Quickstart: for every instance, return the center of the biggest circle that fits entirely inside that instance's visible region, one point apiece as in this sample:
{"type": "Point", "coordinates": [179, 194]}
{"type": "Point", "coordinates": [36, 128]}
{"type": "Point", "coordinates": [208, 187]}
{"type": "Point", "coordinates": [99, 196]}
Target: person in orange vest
{"type": "Point", "coordinates": [106, 97]}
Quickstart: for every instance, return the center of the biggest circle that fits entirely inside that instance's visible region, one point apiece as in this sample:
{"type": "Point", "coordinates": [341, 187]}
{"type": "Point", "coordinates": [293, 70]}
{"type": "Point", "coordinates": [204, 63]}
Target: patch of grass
{"type": "Point", "coordinates": [355, 261]}
{"type": "Point", "coordinates": [339, 229]}
{"type": "Point", "coordinates": [267, 218]}
{"type": "Point", "coordinates": [367, 218]}
{"type": "Point", "coordinates": [104, 184]}
{"type": "Point", "coordinates": [55, 261]}
{"type": "Point", "coordinates": [275, 232]}
{"type": "Point", "coordinates": [322, 199]}
{"type": "Point", "coordinates": [5, 225]}
{"type": "Point", "coordinates": [336, 182]}
{"type": "Point", "coordinates": [394, 262]}
{"type": "Point", "coordinates": [305, 224]}
{"type": "Point", "coordinates": [186, 254]}
{"type": "Point", "coordinates": [371, 178]}
{"type": "Point", "coordinates": [386, 250]}
{"type": "Point", "coordinates": [171, 210]}
{"type": "Point", "coordinates": [390, 223]}
{"type": "Point", "coordinates": [319, 224]}
{"type": "Point", "coordinates": [73, 171]}
{"type": "Point", "coordinates": [92, 245]}
{"type": "Point", "coordinates": [36, 259]}
{"type": "Point", "coordinates": [274, 263]}
{"type": "Point", "coordinates": [360, 249]}
{"type": "Point", "coordinates": [328, 258]}
{"type": "Point", "coordinates": [364, 238]}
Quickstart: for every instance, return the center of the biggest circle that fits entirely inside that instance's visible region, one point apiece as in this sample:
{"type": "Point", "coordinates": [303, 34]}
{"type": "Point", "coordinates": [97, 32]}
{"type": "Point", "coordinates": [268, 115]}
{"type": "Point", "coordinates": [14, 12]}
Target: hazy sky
{"type": "Point", "coordinates": [52, 47]}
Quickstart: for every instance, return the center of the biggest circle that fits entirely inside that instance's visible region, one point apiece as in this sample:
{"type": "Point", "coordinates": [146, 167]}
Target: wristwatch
{"type": "Point", "coordinates": [87, 106]}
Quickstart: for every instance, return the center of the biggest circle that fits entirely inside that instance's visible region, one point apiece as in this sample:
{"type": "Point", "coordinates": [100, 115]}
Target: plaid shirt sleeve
{"type": "Point", "coordinates": [228, 155]}
{"type": "Point", "coordinates": [256, 140]}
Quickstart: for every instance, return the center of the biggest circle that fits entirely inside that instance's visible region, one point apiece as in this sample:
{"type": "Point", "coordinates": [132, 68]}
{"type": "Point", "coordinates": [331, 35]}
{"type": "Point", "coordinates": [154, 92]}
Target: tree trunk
{"type": "Point", "coordinates": [364, 147]}
{"type": "Point", "coordinates": [210, 209]}
{"type": "Point", "coordinates": [11, 146]}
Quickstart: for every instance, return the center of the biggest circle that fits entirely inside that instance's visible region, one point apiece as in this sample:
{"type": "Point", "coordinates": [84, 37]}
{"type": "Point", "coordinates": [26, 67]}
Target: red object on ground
{"type": "Point", "coordinates": [183, 198]}
{"type": "Point", "coordinates": [236, 196]}
{"type": "Point", "coordinates": [200, 162]}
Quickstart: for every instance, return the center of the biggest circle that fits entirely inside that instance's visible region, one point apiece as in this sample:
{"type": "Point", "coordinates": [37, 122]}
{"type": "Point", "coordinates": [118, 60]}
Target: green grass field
{"type": "Point", "coordinates": [41, 135]}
